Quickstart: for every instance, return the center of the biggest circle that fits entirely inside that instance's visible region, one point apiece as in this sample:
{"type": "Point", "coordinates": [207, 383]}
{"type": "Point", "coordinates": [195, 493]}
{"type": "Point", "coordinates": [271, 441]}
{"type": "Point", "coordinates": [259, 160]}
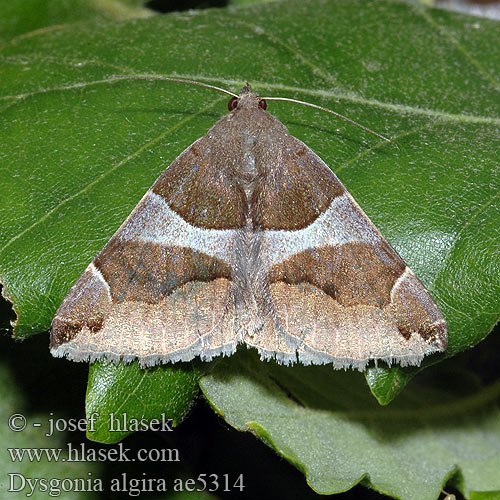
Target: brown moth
{"type": "Point", "coordinates": [248, 237]}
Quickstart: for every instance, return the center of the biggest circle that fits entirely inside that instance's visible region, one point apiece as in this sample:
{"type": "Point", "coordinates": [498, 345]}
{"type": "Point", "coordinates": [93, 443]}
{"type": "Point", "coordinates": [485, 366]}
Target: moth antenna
{"type": "Point", "coordinates": [338, 115]}
{"type": "Point", "coordinates": [179, 80]}
{"type": "Point", "coordinates": [224, 91]}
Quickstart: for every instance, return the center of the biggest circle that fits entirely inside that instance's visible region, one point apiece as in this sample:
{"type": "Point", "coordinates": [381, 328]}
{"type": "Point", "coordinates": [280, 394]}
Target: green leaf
{"type": "Point", "coordinates": [485, 495]}
{"type": "Point", "coordinates": [80, 148]}
{"type": "Point", "coordinates": [387, 383]}
{"type": "Point", "coordinates": [34, 438]}
{"type": "Point", "coordinates": [120, 396]}
{"type": "Point", "coordinates": [23, 17]}
{"type": "Point", "coordinates": [326, 423]}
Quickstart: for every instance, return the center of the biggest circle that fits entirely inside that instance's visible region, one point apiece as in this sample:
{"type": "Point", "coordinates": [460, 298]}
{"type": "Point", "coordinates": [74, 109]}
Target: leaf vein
{"type": "Point", "coordinates": [105, 174]}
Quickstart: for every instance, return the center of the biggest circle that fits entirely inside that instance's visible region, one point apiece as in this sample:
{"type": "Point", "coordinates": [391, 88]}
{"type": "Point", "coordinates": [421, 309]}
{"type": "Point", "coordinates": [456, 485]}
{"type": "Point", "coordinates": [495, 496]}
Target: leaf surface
{"type": "Point", "coordinates": [124, 398]}
{"type": "Point", "coordinates": [25, 18]}
{"type": "Point", "coordinates": [327, 424]}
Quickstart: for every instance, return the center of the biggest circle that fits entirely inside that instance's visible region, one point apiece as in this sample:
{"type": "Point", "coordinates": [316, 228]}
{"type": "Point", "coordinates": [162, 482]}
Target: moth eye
{"type": "Point", "coordinates": [262, 104]}
{"type": "Point", "coordinates": [232, 104]}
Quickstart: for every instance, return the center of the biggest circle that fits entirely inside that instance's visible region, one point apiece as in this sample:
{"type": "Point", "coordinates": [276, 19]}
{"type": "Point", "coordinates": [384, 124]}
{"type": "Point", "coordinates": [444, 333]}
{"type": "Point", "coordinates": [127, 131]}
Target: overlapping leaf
{"type": "Point", "coordinates": [129, 395]}
{"type": "Point", "coordinates": [329, 426]}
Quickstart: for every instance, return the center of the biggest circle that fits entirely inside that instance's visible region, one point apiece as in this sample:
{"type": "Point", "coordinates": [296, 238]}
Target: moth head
{"type": "Point", "coordinates": [246, 99]}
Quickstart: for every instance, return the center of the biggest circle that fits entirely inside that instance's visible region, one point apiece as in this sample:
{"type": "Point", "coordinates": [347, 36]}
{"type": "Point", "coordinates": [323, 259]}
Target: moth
{"type": "Point", "coordinates": [248, 238]}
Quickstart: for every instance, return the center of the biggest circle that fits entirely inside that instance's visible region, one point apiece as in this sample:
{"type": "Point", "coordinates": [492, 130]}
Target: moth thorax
{"type": "Point", "coordinates": [247, 173]}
